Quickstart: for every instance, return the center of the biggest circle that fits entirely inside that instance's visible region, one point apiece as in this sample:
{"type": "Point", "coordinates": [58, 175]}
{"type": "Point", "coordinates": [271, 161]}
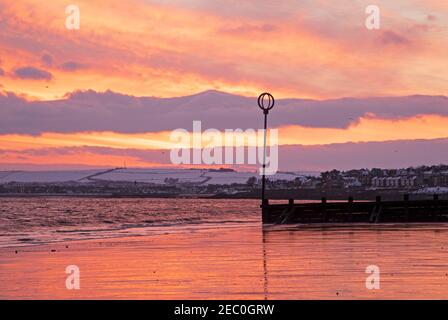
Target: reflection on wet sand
{"type": "Point", "coordinates": [237, 262]}
{"type": "Point", "coordinates": [330, 261]}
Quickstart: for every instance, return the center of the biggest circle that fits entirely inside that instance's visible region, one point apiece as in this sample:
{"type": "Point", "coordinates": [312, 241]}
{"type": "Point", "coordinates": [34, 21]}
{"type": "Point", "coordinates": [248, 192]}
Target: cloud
{"type": "Point", "coordinates": [47, 60]}
{"type": "Point", "coordinates": [249, 28]}
{"type": "Point", "coordinates": [391, 154]}
{"type": "Point", "coordinates": [32, 73]}
{"type": "Point", "coordinates": [2, 72]}
{"type": "Point", "coordinates": [109, 111]}
{"type": "Point", "coordinates": [343, 156]}
{"type": "Point", "coordinates": [393, 38]}
{"type": "Point", "coordinates": [72, 66]}
{"type": "Point", "coordinates": [306, 48]}
{"type": "Point", "coordinates": [431, 17]}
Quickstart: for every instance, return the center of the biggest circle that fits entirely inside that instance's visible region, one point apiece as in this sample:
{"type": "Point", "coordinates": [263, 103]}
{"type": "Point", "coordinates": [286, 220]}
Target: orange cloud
{"type": "Point", "coordinates": [152, 48]}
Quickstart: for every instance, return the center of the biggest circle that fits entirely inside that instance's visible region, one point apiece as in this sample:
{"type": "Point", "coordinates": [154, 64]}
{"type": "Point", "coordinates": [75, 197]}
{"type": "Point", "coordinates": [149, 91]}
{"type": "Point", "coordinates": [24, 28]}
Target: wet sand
{"type": "Point", "coordinates": [237, 262]}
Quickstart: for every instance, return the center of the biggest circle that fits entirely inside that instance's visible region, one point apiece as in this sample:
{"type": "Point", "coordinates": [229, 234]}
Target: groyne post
{"type": "Point", "coordinates": [265, 211]}
{"type": "Point", "coordinates": [324, 208]}
{"type": "Point", "coordinates": [436, 207]}
{"type": "Point", "coordinates": [406, 206]}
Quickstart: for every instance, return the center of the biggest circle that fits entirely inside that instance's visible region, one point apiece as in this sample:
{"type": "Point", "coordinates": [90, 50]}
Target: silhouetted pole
{"type": "Point", "coordinates": [265, 106]}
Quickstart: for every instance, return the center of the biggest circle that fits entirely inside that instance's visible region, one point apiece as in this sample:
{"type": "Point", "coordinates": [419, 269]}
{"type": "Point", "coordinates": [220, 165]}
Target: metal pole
{"type": "Point", "coordinates": [265, 106]}
{"type": "Point", "coordinates": [263, 181]}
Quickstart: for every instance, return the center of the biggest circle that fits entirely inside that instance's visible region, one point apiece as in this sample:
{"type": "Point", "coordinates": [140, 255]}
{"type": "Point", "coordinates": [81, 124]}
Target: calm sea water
{"type": "Point", "coordinates": [208, 249]}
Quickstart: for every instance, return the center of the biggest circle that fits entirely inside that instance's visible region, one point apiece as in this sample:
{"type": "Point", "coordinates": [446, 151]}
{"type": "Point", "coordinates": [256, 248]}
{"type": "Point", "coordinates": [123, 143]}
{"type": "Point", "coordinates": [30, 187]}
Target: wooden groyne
{"type": "Point", "coordinates": [378, 211]}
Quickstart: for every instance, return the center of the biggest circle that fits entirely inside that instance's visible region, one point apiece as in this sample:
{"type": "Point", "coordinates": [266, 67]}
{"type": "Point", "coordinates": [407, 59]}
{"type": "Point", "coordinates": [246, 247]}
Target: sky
{"type": "Point", "coordinates": [112, 91]}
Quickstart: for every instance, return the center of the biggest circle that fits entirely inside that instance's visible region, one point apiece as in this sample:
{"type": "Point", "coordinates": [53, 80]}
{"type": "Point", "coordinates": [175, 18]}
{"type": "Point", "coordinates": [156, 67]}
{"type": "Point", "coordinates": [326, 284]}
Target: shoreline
{"type": "Point", "coordinates": [154, 231]}
{"type": "Point", "coordinates": [147, 231]}
{"type": "Point", "coordinates": [293, 194]}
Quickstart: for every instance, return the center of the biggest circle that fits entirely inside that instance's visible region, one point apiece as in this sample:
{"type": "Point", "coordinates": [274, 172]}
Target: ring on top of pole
{"type": "Point", "coordinates": [266, 102]}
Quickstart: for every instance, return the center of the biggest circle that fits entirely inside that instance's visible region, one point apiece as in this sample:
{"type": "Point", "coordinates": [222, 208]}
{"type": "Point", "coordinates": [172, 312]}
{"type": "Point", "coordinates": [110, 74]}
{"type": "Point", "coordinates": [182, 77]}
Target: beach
{"type": "Point", "coordinates": [235, 261]}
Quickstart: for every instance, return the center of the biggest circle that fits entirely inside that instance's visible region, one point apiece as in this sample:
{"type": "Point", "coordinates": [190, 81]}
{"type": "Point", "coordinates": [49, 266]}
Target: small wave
{"type": "Point", "coordinates": [152, 224]}
{"type": "Point", "coordinates": [82, 218]}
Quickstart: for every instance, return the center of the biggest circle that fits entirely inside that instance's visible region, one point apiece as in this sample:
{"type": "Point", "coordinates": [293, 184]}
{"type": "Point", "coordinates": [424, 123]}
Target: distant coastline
{"type": "Point", "coordinates": [274, 195]}
{"type": "Point", "coordinates": [362, 184]}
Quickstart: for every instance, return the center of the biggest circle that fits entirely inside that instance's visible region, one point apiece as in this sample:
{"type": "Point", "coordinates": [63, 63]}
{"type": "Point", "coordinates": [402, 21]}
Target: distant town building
{"type": "Point", "coordinates": [401, 182]}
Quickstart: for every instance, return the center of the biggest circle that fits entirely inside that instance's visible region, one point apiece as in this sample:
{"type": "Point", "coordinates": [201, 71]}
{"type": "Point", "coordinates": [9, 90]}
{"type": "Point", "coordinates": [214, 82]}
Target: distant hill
{"type": "Point", "coordinates": [154, 176]}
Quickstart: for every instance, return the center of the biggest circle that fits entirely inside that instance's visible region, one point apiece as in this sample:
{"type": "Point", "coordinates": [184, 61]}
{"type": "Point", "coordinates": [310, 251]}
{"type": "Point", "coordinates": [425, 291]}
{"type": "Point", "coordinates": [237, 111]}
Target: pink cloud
{"type": "Point", "coordinates": [32, 73]}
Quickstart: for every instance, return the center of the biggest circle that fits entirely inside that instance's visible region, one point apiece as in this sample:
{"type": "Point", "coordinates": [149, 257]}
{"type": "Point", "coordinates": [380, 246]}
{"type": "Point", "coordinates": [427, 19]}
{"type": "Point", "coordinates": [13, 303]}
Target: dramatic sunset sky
{"type": "Point", "coordinates": [115, 89]}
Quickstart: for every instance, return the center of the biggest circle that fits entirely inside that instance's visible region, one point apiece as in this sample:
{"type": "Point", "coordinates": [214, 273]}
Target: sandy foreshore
{"type": "Point", "coordinates": [238, 262]}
